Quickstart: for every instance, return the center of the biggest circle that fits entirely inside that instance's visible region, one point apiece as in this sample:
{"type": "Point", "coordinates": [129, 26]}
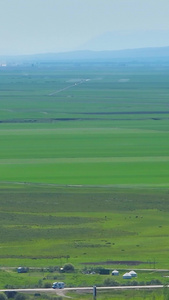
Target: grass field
{"type": "Point", "coordinates": [48, 225]}
{"type": "Point", "coordinates": [84, 167]}
{"type": "Point", "coordinates": [88, 124]}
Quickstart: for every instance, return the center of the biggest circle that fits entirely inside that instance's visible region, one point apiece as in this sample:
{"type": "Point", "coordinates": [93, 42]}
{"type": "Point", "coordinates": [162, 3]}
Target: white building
{"type": "Point", "coordinates": [127, 276]}
{"type": "Point", "coordinates": [133, 274]}
{"type": "Point", "coordinates": [115, 273]}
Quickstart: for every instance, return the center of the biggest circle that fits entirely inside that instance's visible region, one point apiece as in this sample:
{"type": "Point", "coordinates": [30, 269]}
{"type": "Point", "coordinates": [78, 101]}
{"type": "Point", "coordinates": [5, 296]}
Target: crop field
{"type": "Point", "coordinates": [84, 166]}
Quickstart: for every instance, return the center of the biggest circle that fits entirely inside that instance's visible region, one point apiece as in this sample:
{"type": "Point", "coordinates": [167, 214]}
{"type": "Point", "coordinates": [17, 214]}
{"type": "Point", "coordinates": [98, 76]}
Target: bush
{"type": "Point", "coordinates": [52, 269]}
{"type": "Point", "coordinates": [110, 282]}
{"type": "Point", "coordinates": [10, 294]}
{"type": "Point", "coordinates": [3, 296]}
{"type": "Point", "coordinates": [154, 282]}
{"type": "Point", "coordinates": [47, 285]}
{"type": "Point", "coordinates": [20, 297]}
{"type": "Point", "coordinates": [134, 283]}
{"type": "Point", "coordinates": [68, 268]}
{"type": "Point", "coordinates": [40, 283]}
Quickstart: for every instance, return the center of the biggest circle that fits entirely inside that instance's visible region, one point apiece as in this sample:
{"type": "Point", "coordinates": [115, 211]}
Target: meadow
{"type": "Point", "coordinates": [84, 169]}
{"type": "Point", "coordinates": [84, 124]}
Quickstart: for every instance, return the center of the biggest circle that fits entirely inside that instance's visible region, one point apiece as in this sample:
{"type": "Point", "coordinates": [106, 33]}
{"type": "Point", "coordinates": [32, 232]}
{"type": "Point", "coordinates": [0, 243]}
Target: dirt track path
{"type": "Point", "coordinates": [68, 87]}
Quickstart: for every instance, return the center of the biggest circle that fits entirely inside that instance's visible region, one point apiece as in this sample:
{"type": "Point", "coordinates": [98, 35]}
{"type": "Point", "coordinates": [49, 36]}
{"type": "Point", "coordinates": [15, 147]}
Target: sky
{"type": "Point", "coordinates": [40, 26]}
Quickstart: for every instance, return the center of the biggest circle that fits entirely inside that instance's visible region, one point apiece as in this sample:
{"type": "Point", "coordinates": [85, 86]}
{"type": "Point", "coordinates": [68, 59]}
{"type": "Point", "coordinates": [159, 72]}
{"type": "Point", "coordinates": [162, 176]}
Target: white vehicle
{"type": "Point", "coordinates": [58, 285]}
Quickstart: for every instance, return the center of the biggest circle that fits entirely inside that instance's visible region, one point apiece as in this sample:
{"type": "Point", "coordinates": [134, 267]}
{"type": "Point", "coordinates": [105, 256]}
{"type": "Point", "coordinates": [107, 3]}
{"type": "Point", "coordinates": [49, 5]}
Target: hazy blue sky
{"type": "Point", "coordinates": [34, 26]}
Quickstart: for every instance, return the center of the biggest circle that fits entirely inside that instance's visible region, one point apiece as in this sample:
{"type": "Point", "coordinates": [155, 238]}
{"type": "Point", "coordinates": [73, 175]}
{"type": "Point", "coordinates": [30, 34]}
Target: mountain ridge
{"type": "Point", "coordinates": [89, 55]}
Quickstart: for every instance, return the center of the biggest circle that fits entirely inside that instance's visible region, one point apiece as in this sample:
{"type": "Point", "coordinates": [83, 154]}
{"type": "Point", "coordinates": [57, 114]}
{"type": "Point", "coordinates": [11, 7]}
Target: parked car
{"type": "Point", "coordinates": [58, 285]}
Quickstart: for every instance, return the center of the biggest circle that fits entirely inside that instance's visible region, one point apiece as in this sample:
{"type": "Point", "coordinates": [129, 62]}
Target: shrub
{"type": "Point", "coordinates": [3, 296]}
{"type": "Point", "coordinates": [40, 283]}
{"type": "Point", "coordinates": [110, 282]}
{"type": "Point", "coordinates": [53, 269]}
{"type": "Point", "coordinates": [47, 285]}
{"type": "Point", "coordinates": [20, 297]}
{"type": "Point", "coordinates": [68, 268]}
{"type": "Point", "coordinates": [134, 282]}
{"type": "Point", "coordinates": [154, 282]}
{"type": "Point", "coordinates": [10, 294]}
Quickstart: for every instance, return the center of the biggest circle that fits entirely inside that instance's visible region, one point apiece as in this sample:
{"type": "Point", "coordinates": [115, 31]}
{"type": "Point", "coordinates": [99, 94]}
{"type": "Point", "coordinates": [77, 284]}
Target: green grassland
{"type": "Point", "coordinates": [89, 227]}
{"type": "Point", "coordinates": [84, 169]}
{"type": "Point", "coordinates": [122, 295]}
{"type": "Point", "coordinates": [85, 124]}
{"type": "Point", "coordinates": [85, 156]}
{"type": "Point", "coordinates": [47, 226]}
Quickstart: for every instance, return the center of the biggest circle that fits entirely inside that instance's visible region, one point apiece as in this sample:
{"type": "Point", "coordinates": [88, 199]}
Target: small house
{"type": "Point", "coordinates": [115, 273]}
{"type": "Point", "coordinates": [133, 274]}
{"type": "Point", "coordinates": [127, 276]}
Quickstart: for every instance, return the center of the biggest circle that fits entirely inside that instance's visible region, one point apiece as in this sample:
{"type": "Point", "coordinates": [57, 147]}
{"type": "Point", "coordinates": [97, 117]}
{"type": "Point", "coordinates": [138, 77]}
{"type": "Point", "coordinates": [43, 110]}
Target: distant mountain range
{"type": "Point", "coordinates": [138, 45]}
{"type": "Point", "coordinates": [160, 53]}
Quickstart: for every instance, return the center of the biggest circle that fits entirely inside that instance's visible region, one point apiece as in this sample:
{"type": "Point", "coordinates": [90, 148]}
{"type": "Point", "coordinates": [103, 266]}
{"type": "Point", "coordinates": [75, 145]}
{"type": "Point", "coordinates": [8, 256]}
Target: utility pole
{"type": "Point", "coordinates": [94, 292]}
